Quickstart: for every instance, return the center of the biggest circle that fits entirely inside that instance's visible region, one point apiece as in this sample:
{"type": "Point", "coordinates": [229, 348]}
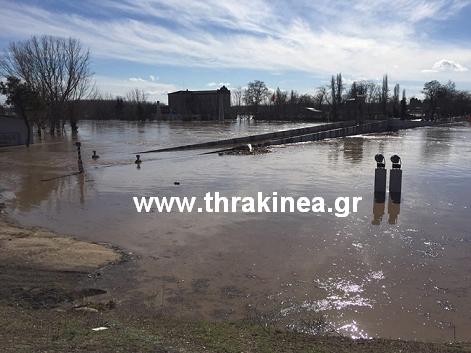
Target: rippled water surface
{"type": "Point", "coordinates": [389, 270]}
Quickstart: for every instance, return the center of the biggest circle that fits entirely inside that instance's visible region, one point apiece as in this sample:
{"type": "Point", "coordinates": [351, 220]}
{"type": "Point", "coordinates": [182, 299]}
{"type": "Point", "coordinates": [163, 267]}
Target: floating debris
{"type": "Point", "coordinates": [244, 150]}
{"type": "Point", "coordinates": [86, 309]}
{"type": "Point", "coordinates": [101, 328]}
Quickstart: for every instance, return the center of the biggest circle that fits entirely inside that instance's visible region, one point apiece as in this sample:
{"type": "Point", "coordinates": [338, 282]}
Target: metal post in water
{"type": "Point", "coordinates": [380, 179]}
{"type": "Point", "coordinates": [138, 161]}
{"type": "Point", "coordinates": [79, 156]}
{"type": "Point", "coordinates": [395, 179]}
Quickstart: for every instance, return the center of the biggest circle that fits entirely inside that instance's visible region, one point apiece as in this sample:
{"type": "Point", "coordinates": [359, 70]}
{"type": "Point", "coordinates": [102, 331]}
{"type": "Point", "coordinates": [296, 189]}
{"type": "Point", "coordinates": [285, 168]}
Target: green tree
{"type": "Point", "coordinates": [24, 100]}
{"type": "Point", "coordinates": [385, 95]}
{"type": "Point", "coordinates": [395, 100]}
{"type": "Point", "coordinates": [336, 90]}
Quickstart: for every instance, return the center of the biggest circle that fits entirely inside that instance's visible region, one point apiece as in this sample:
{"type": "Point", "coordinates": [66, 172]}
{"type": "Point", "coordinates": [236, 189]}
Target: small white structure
{"type": "Point", "coordinates": [13, 131]}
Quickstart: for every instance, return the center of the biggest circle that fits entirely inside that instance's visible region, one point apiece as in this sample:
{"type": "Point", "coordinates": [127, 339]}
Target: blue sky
{"type": "Point", "coordinates": [161, 46]}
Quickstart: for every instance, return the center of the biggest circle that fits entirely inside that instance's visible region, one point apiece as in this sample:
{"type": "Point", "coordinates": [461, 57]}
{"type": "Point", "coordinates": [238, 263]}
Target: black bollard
{"type": "Point", "coordinates": [138, 159]}
{"type": "Point", "coordinates": [95, 156]}
{"type": "Point", "coordinates": [380, 179]}
{"type": "Point", "coordinates": [395, 179]}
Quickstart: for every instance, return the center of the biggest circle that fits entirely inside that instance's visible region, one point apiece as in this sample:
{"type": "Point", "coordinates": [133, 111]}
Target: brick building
{"type": "Point", "coordinates": [208, 105]}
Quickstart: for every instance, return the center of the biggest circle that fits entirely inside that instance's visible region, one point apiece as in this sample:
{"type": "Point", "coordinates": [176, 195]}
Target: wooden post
{"type": "Point", "coordinates": [79, 156]}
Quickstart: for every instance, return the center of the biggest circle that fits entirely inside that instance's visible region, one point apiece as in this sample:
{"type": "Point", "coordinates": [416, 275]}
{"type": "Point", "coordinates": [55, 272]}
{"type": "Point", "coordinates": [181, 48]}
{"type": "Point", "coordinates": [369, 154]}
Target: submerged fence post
{"type": "Point", "coordinates": [380, 179]}
{"type": "Point", "coordinates": [395, 179]}
{"type": "Point", "coordinates": [79, 156]}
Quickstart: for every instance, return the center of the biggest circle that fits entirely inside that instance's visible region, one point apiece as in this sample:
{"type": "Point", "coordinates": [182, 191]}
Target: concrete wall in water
{"type": "Point", "coordinates": [266, 138]}
{"type": "Point", "coordinates": [13, 131]}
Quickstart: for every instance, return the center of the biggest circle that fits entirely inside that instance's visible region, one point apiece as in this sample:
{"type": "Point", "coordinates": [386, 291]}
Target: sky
{"type": "Point", "coordinates": [161, 46]}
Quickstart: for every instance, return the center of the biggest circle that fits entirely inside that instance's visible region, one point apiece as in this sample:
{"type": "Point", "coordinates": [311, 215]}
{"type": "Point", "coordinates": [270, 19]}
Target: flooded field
{"type": "Point", "coordinates": [398, 271]}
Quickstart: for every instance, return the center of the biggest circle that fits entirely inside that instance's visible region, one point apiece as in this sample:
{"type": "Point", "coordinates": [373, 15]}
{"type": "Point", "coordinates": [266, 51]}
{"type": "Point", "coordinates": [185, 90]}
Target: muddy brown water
{"type": "Point", "coordinates": [406, 277]}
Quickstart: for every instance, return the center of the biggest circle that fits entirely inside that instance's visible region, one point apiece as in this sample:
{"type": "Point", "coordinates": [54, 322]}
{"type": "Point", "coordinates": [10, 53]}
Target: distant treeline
{"type": "Point", "coordinates": [360, 100]}
{"type": "Point", "coordinates": [116, 109]}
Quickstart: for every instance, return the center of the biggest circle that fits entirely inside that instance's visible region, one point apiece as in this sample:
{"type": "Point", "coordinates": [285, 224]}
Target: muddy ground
{"type": "Point", "coordinates": [40, 269]}
{"type": "Point", "coordinates": [51, 299]}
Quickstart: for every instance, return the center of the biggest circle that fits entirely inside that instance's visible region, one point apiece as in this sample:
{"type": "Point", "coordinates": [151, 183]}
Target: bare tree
{"type": "Point", "coordinates": [373, 92]}
{"type": "Point", "coordinates": [136, 95]}
{"type": "Point", "coordinates": [237, 95]}
{"type": "Point", "coordinates": [443, 99]}
{"type": "Point", "coordinates": [431, 91]}
{"type": "Point", "coordinates": [255, 94]}
{"type": "Point", "coordinates": [280, 97]}
{"type": "Point", "coordinates": [320, 96]}
{"type": "Point", "coordinates": [57, 69]}
{"type": "Point", "coordinates": [138, 107]}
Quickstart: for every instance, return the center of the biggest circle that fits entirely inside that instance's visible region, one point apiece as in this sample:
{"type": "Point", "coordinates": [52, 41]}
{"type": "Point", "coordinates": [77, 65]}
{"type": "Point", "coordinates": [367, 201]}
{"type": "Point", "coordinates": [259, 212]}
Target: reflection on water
{"type": "Point", "coordinates": [378, 212]}
{"type": "Point", "coordinates": [394, 208]}
{"type": "Point", "coordinates": [81, 182]}
{"type": "Point", "coordinates": [368, 276]}
{"type": "Point", "coordinates": [353, 149]}
{"type": "Point", "coordinates": [437, 143]}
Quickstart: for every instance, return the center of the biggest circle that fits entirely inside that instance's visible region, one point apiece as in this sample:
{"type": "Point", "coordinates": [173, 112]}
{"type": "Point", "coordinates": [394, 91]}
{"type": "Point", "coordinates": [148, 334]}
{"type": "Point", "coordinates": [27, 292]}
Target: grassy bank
{"type": "Point", "coordinates": [51, 330]}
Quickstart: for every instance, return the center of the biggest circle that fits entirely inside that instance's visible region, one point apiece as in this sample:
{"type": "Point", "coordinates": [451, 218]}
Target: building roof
{"type": "Point", "coordinates": [222, 89]}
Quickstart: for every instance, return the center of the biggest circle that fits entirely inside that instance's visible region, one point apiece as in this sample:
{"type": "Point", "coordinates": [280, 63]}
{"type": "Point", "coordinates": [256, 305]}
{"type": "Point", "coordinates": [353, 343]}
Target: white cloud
{"type": "Point", "coordinates": [220, 84]}
{"type": "Point", "coordinates": [365, 38]}
{"type": "Point", "coordinates": [445, 65]}
{"type": "Point", "coordinates": [156, 91]}
{"type": "Point", "coordinates": [136, 79]}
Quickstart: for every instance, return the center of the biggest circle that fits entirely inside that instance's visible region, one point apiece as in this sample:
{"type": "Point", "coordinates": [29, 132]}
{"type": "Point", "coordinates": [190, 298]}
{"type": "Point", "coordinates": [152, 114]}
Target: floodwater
{"type": "Point", "coordinates": [398, 271]}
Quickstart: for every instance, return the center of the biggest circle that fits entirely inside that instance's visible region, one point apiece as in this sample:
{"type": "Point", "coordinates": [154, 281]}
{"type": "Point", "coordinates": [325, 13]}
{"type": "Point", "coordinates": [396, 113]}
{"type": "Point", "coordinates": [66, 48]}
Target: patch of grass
{"type": "Point", "coordinates": [116, 338]}
{"type": "Point", "coordinates": [235, 337]}
{"type": "Point", "coordinates": [27, 330]}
